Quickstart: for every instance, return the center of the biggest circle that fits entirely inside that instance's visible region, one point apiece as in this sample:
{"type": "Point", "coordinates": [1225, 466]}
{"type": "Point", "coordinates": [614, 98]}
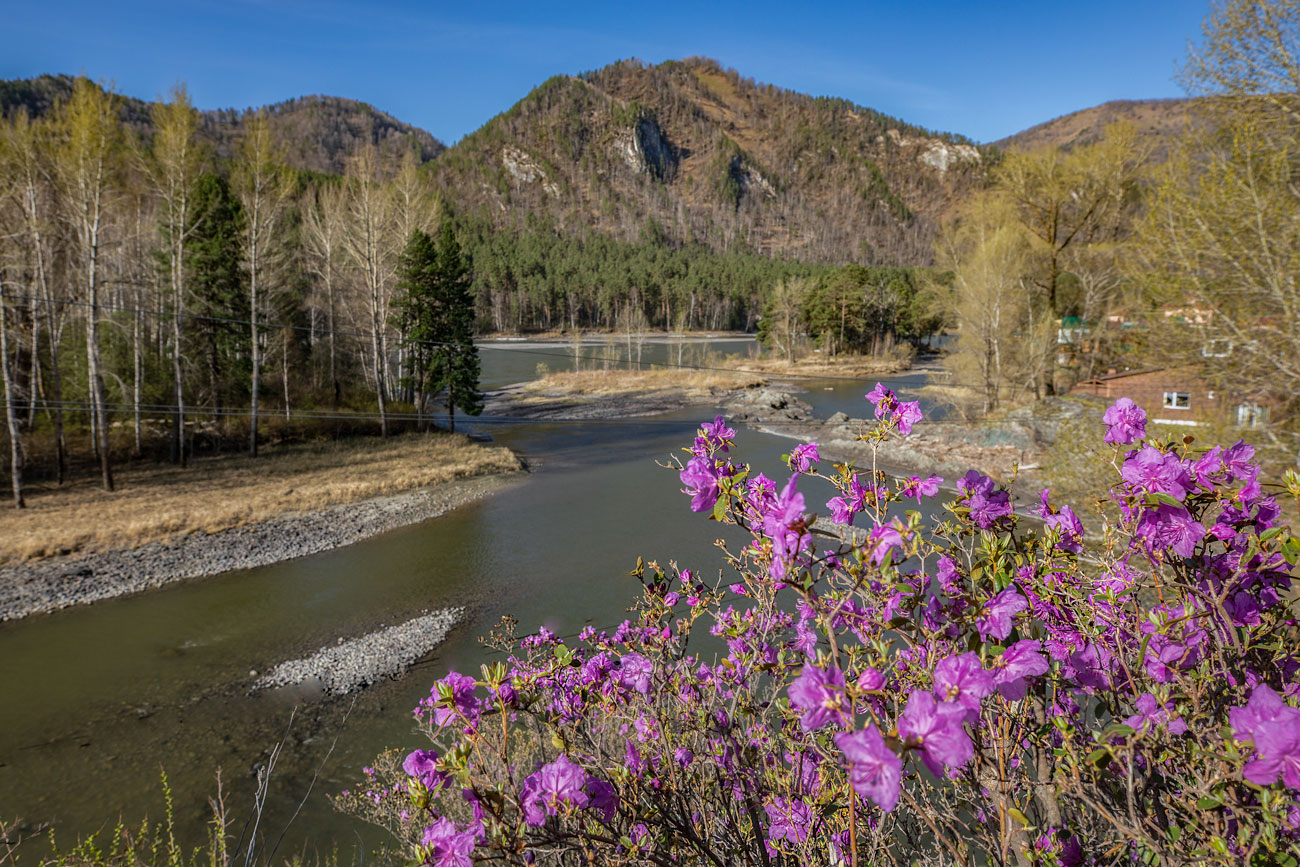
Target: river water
{"type": "Point", "coordinates": [99, 701]}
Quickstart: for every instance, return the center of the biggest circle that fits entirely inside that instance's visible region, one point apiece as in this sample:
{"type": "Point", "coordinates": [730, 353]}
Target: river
{"type": "Point", "coordinates": [99, 700]}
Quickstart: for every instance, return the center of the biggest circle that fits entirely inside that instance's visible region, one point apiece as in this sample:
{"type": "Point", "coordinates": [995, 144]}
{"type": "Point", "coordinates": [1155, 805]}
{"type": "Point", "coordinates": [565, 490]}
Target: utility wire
{"type": "Point", "coordinates": [512, 347]}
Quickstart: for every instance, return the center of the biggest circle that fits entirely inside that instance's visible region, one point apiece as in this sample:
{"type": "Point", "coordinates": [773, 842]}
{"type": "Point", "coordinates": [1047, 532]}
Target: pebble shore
{"type": "Point", "coordinates": [50, 585]}
{"type": "Point", "coordinates": [356, 663]}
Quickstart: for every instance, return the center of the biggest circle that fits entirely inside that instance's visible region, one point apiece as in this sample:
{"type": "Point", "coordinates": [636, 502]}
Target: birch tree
{"type": "Point", "coordinates": [1000, 341]}
{"type": "Point", "coordinates": [323, 218]}
{"type": "Point", "coordinates": [11, 410]}
{"type": "Point", "coordinates": [90, 132]}
{"type": "Point", "coordinates": [26, 162]}
{"type": "Point", "coordinates": [174, 168]}
{"type": "Point", "coordinates": [263, 187]}
{"type": "Point", "coordinates": [368, 241]}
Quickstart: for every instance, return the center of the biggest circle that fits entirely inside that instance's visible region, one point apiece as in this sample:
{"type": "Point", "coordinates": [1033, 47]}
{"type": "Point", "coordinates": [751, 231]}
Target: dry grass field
{"type": "Point", "coordinates": [715, 373]}
{"type": "Point", "coordinates": [816, 365]}
{"type": "Point", "coordinates": [155, 502]}
{"type": "Point", "coordinates": [610, 383]}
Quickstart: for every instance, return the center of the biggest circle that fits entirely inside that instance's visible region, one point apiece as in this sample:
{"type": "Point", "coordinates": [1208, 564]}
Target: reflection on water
{"type": "Point", "coordinates": [99, 699]}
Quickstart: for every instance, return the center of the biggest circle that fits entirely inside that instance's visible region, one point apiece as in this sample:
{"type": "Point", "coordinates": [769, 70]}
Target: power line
{"type": "Point", "coordinates": [896, 380]}
{"type": "Point", "coordinates": [271, 412]}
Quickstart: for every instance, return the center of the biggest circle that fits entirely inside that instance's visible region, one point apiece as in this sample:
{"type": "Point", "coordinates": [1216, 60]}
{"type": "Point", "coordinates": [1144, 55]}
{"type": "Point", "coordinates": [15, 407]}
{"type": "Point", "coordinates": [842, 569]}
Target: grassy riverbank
{"type": "Point", "coordinates": [157, 502]}
{"type": "Point", "coordinates": [693, 384]}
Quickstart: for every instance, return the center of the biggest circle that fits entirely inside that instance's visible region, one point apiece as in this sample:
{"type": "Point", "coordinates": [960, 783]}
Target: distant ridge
{"type": "Point", "coordinates": [1159, 120]}
{"type": "Point", "coordinates": [679, 153]}
{"type": "Point", "coordinates": [316, 132]}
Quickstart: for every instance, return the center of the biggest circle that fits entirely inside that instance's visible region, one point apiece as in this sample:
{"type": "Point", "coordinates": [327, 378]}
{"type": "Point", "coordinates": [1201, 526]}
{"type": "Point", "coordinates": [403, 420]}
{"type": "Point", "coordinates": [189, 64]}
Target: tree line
{"type": "Point", "coordinates": [161, 299]}
{"type": "Point", "coordinates": [148, 283]}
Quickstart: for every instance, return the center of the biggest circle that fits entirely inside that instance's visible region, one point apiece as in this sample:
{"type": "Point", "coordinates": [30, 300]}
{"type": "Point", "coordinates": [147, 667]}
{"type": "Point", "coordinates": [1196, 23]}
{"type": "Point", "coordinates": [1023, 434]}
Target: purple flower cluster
{"type": "Point", "coordinates": [938, 665]}
{"type": "Point", "coordinates": [986, 503]}
{"type": "Point", "coordinates": [1274, 729]}
{"type": "Point", "coordinates": [917, 487]}
{"type": "Point", "coordinates": [448, 846]}
{"type": "Point", "coordinates": [422, 765]}
{"type": "Point", "coordinates": [453, 700]}
{"type": "Point", "coordinates": [563, 785]}
{"type": "Point", "coordinates": [819, 695]}
{"type": "Point", "coordinates": [889, 409]}
{"type": "Point", "coordinates": [1126, 422]}
{"type": "Point", "coordinates": [803, 457]}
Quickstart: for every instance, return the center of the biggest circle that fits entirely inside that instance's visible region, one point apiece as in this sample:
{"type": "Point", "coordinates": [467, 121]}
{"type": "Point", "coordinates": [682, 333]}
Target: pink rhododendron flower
{"type": "Point", "coordinates": [804, 456]}
{"type": "Point", "coordinates": [820, 695]}
{"type": "Point", "coordinates": [700, 480]}
{"type": "Point", "coordinates": [449, 847]}
{"type": "Point", "coordinates": [999, 612]}
{"type": "Point", "coordinates": [936, 729]}
{"type": "Point", "coordinates": [1158, 472]}
{"type": "Point", "coordinates": [1274, 727]}
{"type": "Point", "coordinates": [875, 772]}
{"type": "Point", "coordinates": [1126, 421]}
{"type": "Point", "coordinates": [554, 787]}
{"type": "Point", "coordinates": [963, 680]}
{"type": "Point", "coordinates": [917, 487]}
{"type": "Point", "coordinates": [1020, 661]}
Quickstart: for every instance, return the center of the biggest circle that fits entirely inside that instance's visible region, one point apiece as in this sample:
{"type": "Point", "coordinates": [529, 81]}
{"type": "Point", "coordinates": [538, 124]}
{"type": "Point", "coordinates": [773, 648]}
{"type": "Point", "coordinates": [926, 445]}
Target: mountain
{"type": "Point", "coordinates": [316, 132]}
{"type": "Point", "coordinates": [689, 152]}
{"type": "Point", "coordinates": [1158, 120]}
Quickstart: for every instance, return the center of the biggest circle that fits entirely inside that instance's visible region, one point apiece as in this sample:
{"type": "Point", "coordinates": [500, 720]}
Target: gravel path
{"type": "Point", "coordinates": [53, 584]}
{"type": "Point", "coordinates": [359, 662]}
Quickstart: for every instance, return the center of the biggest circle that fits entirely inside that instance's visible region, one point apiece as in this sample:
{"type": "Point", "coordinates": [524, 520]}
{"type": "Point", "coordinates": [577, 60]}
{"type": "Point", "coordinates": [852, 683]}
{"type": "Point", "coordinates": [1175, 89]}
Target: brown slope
{"type": "Point", "coordinates": [704, 155]}
{"type": "Point", "coordinates": [1158, 120]}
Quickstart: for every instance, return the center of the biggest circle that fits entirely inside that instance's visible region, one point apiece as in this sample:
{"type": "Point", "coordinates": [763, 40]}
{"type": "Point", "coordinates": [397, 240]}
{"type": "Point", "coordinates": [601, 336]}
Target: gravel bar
{"type": "Point", "coordinates": [53, 584]}
{"type": "Point", "coordinates": [358, 662]}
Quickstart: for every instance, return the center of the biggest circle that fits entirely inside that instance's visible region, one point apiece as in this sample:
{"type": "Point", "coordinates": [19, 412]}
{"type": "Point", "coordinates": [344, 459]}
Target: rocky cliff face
{"type": "Point", "coordinates": [712, 158]}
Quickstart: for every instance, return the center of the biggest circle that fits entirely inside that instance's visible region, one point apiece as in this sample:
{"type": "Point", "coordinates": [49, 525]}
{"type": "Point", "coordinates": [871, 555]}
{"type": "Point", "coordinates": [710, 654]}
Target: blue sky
{"type": "Point", "coordinates": [982, 68]}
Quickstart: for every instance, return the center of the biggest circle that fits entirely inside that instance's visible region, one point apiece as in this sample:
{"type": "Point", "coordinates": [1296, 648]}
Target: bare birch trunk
{"type": "Point", "coordinates": [11, 415]}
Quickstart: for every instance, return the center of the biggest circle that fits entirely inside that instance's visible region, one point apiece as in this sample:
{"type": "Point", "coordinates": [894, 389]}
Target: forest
{"type": "Point", "coordinates": [165, 297]}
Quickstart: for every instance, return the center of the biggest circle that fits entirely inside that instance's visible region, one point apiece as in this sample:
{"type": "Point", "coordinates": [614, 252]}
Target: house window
{"type": "Point", "coordinates": [1251, 415]}
{"type": "Point", "coordinates": [1178, 400]}
{"type": "Point", "coordinates": [1217, 348]}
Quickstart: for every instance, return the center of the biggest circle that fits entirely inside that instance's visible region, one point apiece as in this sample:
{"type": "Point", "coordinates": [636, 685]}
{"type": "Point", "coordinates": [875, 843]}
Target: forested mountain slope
{"type": "Point", "coordinates": [692, 153]}
{"type": "Point", "coordinates": [316, 132]}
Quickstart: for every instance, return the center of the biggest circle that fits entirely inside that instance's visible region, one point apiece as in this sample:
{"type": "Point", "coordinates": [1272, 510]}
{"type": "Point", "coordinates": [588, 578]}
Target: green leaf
{"type": "Point", "coordinates": [1270, 533]}
{"type": "Point", "coordinates": [1291, 550]}
{"type": "Point", "coordinates": [1166, 499]}
{"type": "Point", "coordinates": [719, 509]}
{"type": "Point", "coordinates": [1115, 730]}
{"type": "Point", "coordinates": [1018, 816]}
{"type": "Point", "coordinates": [1209, 803]}
{"type": "Point", "coordinates": [1099, 758]}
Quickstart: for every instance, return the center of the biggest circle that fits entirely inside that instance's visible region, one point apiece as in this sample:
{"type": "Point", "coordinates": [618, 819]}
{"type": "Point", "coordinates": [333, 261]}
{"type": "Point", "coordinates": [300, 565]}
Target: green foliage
{"type": "Point", "coordinates": [853, 309]}
{"type": "Point", "coordinates": [218, 288]}
{"type": "Point", "coordinates": [542, 278]}
{"type": "Point", "coordinates": [435, 315]}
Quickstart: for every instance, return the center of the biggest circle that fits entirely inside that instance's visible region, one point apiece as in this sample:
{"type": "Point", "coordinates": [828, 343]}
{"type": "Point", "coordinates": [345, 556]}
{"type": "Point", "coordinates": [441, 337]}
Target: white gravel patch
{"type": "Point", "coordinates": [358, 662]}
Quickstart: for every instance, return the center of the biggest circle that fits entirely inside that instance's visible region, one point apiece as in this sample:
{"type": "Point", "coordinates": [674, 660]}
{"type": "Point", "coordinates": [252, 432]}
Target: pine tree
{"type": "Point", "coordinates": [417, 315]}
{"type": "Point", "coordinates": [218, 285]}
{"type": "Point", "coordinates": [458, 362]}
